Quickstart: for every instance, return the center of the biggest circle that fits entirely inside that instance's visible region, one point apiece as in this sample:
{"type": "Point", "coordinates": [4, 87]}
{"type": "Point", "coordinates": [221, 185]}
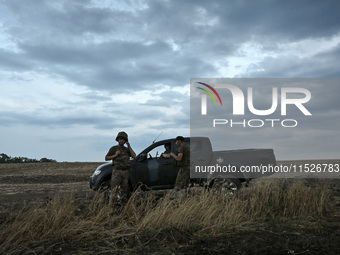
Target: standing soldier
{"type": "Point", "coordinates": [183, 157]}
{"type": "Point", "coordinates": [120, 156]}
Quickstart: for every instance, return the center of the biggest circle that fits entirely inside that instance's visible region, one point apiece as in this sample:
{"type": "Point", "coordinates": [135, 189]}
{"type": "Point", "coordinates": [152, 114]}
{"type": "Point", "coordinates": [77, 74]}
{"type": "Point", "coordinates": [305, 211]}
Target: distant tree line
{"type": "Point", "coordinates": [8, 159]}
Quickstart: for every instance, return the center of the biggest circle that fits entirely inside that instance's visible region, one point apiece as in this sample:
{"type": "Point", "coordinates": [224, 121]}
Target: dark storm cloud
{"type": "Point", "coordinates": [140, 52]}
{"type": "Point", "coordinates": [320, 65]}
{"type": "Point", "coordinates": [110, 65]}
{"type": "Point", "coordinates": [13, 61]}
{"type": "Point", "coordinates": [284, 19]}
{"type": "Point", "coordinates": [58, 19]}
{"type": "Point", "coordinates": [240, 20]}
{"type": "Point", "coordinates": [55, 45]}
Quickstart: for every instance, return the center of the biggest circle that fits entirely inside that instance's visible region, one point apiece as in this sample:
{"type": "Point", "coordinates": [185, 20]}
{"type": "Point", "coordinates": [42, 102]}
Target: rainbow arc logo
{"type": "Point", "coordinates": [204, 98]}
{"type": "Point", "coordinates": [209, 93]}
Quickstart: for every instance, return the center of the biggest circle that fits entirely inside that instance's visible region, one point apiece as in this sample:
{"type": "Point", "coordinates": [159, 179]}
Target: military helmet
{"type": "Point", "coordinates": [122, 135]}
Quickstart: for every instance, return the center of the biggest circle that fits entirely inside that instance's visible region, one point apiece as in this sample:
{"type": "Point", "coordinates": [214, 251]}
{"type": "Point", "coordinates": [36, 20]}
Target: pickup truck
{"type": "Point", "coordinates": [156, 172]}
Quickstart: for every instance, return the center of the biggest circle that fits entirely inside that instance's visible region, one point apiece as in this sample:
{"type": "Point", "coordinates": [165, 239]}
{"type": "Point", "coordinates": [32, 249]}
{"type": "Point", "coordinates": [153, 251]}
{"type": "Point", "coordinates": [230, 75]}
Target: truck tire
{"type": "Point", "coordinates": [104, 185]}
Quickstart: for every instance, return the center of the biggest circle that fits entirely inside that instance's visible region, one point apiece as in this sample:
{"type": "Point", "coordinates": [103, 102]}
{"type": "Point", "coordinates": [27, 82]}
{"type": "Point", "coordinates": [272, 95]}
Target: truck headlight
{"type": "Point", "coordinates": [98, 171]}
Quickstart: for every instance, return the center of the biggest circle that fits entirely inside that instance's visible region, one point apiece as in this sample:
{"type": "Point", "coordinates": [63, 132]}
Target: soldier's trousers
{"type": "Point", "coordinates": [183, 178]}
{"type": "Point", "coordinates": [119, 185]}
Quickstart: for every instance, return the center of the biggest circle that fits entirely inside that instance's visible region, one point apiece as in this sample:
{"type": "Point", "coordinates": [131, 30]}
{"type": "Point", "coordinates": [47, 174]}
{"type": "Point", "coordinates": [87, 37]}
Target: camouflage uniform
{"type": "Point", "coordinates": [120, 172]}
{"type": "Point", "coordinates": [183, 177]}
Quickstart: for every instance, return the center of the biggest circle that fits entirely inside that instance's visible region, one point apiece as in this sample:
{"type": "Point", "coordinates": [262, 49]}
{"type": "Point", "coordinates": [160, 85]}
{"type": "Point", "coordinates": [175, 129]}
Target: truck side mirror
{"type": "Point", "coordinates": [143, 157]}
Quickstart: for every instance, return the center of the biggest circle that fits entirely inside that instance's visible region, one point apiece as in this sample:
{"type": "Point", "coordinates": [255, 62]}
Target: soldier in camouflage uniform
{"type": "Point", "coordinates": [120, 156]}
{"type": "Point", "coordinates": [183, 157]}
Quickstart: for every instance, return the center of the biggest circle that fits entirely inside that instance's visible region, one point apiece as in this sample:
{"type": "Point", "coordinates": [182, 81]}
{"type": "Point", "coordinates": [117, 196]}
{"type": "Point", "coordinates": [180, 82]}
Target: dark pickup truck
{"type": "Point", "coordinates": [159, 173]}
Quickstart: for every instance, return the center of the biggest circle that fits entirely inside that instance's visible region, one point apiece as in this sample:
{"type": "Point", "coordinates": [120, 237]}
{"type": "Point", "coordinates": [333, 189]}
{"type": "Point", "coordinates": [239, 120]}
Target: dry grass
{"type": "Point", "coordinates": [60, 224]}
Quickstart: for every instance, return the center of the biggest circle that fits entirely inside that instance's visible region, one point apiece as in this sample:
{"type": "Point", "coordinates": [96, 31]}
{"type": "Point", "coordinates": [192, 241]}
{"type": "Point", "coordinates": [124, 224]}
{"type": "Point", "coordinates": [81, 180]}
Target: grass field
{"type": "Point", "coordinates": [47, 208]}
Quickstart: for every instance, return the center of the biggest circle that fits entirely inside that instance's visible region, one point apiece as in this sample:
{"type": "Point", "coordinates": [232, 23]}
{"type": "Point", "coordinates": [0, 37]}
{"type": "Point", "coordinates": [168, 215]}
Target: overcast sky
{"type": "Point", "coordinates": [74, 73]}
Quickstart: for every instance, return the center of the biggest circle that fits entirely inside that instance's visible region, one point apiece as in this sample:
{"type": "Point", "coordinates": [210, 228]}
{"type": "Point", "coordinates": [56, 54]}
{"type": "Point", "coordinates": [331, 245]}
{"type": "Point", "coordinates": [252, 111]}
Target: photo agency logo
{"type": "Point", "coordinates": [297, 97]}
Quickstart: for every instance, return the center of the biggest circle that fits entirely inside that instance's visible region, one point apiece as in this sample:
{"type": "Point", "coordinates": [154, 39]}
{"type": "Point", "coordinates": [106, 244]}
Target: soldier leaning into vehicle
{"type": "Point", "coordinates": [166, 153]}
{"type": "Point", "coordinates": [120, 156]}
{"type": "Point", "coordinates": [183, 157]}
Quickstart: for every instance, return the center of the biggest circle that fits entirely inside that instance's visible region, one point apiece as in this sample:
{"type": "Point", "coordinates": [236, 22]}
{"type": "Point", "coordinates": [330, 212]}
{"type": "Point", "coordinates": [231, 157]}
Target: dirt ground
{"type": "Point", "coordinates": [34, 182]}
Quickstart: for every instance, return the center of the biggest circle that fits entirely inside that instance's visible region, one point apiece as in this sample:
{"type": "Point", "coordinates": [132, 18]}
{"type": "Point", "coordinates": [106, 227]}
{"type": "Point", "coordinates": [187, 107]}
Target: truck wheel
{"type": "Point", "coordinates": [227, 186]}
{"type": "Point", "coordinates": [105, 186]}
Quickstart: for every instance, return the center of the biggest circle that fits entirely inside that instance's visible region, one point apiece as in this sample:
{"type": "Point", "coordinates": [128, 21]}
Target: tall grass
{"type": "Point", "coordinates": [65, 222]}
{"type": "Point", "coordinates": [272, 199]}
